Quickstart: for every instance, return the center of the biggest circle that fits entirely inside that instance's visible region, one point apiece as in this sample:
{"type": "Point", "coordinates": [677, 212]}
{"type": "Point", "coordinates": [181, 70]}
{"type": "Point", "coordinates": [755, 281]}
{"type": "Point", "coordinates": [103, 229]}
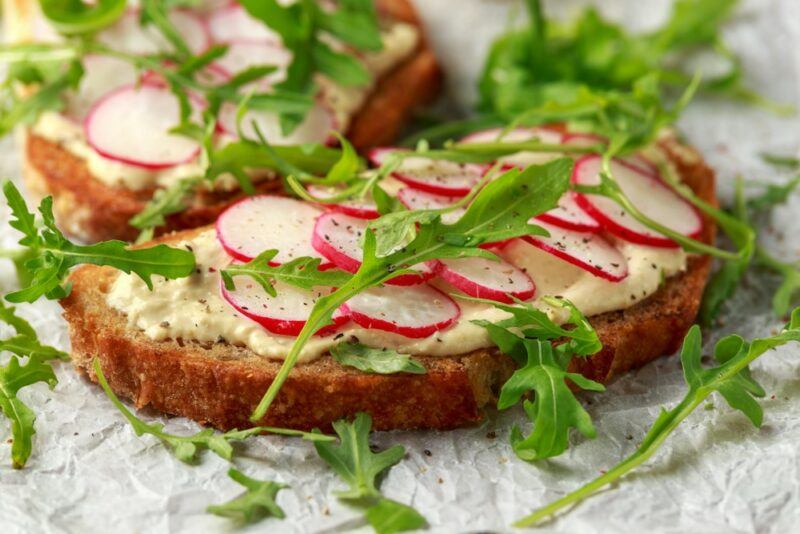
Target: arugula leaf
{"type": "Point", "coordinates": [165, 202]}
{"type": "Point", "coordinates": [380, 361]}
{"type": "Point", "coordinates": [186, 448]}
{"type": "Point", "coordinates": [53, 254]}
{"type": "Point", "coordinates": [777, 160]}
{"type": "Point", "coordinates": [499, 211]}
{"type": "Point", "coordinates": [554, 409]}
{"type": "Point", "coordinates": [256, 503]}
{"type": "Point", "coordinates": [359, 467]}
{"type": "Point", "coordinates": [13, 377]}
{"type": "Point", "coordinates": [537, 345]}
{"type": "Point", "coordinates": [301, 272]}
{"type": "Point", "coordinates": [773, 195]}
{"type": "Point", "coordinates": [78, 18]}
{"type": "Point", "coordinates": [26, 342]}
{"type": "Point", "coordinates": [790, 283]}
{"type": "Point", "coordinates": [731, 378]}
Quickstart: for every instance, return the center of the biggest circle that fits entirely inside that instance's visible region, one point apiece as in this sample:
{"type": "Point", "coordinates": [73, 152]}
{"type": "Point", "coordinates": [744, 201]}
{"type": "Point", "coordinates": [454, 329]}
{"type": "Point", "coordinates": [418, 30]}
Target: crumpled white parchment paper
{"type": "Point", "coordinates": [90, 473]}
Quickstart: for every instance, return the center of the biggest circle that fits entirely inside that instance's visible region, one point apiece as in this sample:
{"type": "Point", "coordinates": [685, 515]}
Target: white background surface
{"type": "Point", "coordinates": [89, 472]}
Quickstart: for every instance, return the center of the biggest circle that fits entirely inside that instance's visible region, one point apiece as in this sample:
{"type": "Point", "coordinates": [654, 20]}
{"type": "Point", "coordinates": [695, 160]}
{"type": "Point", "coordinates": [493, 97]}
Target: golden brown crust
{"type": "Point", "coordinates": [91, 210]}
{"type": "Point", "coordinates": [219, 384]}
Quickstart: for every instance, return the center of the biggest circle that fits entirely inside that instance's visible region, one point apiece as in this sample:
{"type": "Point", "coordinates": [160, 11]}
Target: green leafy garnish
{"type": "Point", "coordinates": [75, 17]}
{"type": "Point", "coordinates": [186, 448]}
{"type": "Point", "coordinates": [359, 467]}
{"type": "Point", "coordinates": [255, 504]}
{"type": "Point", "coordinates": [501, 210]}
{"type": "Point", "coordinates": [15, 376]}
{"type": "Point", "coordinates": [300, 272]}
{"type": "Point", "coordinates": [381, 361]}
{"type": "Point", "coordinates": [731, 378]}
{"type": "Point", "coordinates": [528, 337]}
{"type": "Point", "coordinates": [52, 254]}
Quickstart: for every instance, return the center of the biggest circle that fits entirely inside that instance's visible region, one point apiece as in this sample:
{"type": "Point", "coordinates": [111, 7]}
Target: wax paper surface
{"type": "Point", "coordinates": [717, 473]}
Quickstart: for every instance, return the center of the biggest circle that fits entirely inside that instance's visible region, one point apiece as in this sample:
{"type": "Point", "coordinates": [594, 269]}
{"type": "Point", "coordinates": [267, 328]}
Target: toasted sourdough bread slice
{"type": "Point", "coordinates": [91, 210]}
{"type": "Point", "coordinates": [220, 384]}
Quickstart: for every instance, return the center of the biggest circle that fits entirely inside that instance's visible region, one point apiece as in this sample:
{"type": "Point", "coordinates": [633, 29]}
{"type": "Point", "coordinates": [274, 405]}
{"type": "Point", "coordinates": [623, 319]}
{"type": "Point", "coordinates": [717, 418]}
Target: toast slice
{"type": "Point", "coordinates": [220, 384]}
{"type": "Point", "coordinates": [91, 210]}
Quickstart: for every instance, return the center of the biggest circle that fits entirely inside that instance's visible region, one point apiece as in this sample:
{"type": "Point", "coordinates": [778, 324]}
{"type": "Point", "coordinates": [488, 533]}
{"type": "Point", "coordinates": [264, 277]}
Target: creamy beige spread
{"type": "Point", "coordinates": [193, 309]}
{"type": "Point", "coordinates": [399, 40]}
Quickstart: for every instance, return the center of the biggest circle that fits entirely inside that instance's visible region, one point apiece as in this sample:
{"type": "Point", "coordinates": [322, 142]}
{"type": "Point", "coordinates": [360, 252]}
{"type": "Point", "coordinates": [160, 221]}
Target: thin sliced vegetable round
{"type": "Point", "coordinates": [131, 125]}
{"type": "Point", "coordinates": [568, 214]}
{"type": "Point", "coordinates": [591, 252]}
{"type": "Point", "coordinates": [440, 177]}
{"type": "Point", "coordinates": [101, 74]}
{"type": "Point", "coordinates": [129, 36]}
{"type": "Point", "coordinates": [315, 128]}
{"type": "Point", "coordinates": [361, 208]}
{"type": "Point", "coordinates": [233, 23]}
{"type": "Point", "coordinates": [647, 192]}
{"type": "Point", "coordinates": [522, 159]}
{"type": "Point", "coordinates": [415, 312]}
{"type": "Point", "coordinates": [586, 139]}
{"type": "Point", "coordinates": [414, 199]}
{"type": "Point", "coordinates": [487, 279]}
{"type": "Point", "coordinates": [338, 237]}
{"type": "Point", "coordinates": [266, 222]}
{"type": "Point", "coordinates": [242, 55]}
{"type": "Point", "coordinates": [284, 314]}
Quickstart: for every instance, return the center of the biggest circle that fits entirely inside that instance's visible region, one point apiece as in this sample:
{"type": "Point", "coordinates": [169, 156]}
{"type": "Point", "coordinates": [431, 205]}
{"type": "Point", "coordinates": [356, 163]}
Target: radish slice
{"type": "Point", "coordinates": [568, 214]}
{"type": "Point", "coordinates": [414, 199]}
{"type": "Point", "coordinates": [414, 312]}
{"type": "Point", "coordinates": [244, 54]}
{"type": "Point", "coordinates": [647, 192]}
{"type": "Point", "coordinates": [590, 252]}
{"type": "Point", "coordinates": [363, 209]}
{"type": "Point", "coordinates": [637, 160]}
{"type": "Point", "coordinates": [315, 128]}
{"type": "Point", "coordinates": [101, 74]}
{"type": "Point", "coordinates": [233, 23]}
{"type": "Point", "coordinates": [440, 177]}
{"type": "Point", "coordinates": [265, 222]}
{"type": "Point", "coordinates": [487, 279]}
{"type": "Point", "coordinates": [284, 314]}
{"type": "Point", "coordinates": [338, 237]}
{"type": "Point", "coordinates": [131, 124]}
{"type": "Point", "coordinates": [129, 36]}
{"type": "Point", "coordinates": [521, 159]}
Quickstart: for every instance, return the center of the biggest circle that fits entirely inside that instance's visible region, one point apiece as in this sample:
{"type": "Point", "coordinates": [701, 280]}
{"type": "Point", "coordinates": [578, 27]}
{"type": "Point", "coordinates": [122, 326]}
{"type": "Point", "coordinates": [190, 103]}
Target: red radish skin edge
{"type": "Point", "coordinates": [419, 332]}
{"type": "Point", "coordinates": [557, 221]}
{"type": "Point", "coordinates": [375, 157]}
{"type": "Point", "coordinates": [617, 229]}
{"type": "Point", "coordinates": [351, 265]}
{"type": "Point", "coordinates": [570, 259]}
{"type": "Point", "coordinates": [235, 254]}
{"type": "Point", "coordinates": [128, 161]}
{"type": "Point", "coordinates": [473, 289]}
{"type": "Point", "coordinates": [282, 327]}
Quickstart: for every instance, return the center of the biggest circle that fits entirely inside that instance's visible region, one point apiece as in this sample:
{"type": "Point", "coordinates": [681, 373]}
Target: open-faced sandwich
{"type": "Point", "coordinates": [405, 339]}
{"type": "Point", "coordinates": [110, 147]}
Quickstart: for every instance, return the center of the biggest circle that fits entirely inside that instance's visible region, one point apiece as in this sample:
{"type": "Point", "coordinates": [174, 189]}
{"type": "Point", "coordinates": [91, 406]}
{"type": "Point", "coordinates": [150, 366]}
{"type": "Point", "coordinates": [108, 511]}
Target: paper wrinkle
{"type": "Point", "coordinates": [716, 474]}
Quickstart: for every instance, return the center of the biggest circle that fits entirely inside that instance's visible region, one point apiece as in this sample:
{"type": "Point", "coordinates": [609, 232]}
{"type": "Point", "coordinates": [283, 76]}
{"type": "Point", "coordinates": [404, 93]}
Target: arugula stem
{"type": "Point", "coordinates": [319, 317]}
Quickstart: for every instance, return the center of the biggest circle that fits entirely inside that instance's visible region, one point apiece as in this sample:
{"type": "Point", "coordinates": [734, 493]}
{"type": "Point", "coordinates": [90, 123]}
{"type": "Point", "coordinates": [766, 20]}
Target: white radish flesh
{"type": "Point", "coordinates": [339, 237]}
{"type": "Point", "coordinates": [242, 55]}
{"type": "Point", "coordinates": [315, 128]}
{"type": "Point", "coordinates": [361, 208]}
{"type": "Point", "coordinates": [284, 314]}
{"type": "Point", "coordinates": [586, 139]}
{"type": "Point", "coordinates": [233, 23]}
{"type": "Point", "coordinates": [129, 36]}
{"type": "Point", "coordinates": [101, 74]}
{"type": "Point", "coordinates": [414, 312]}
{"type": "Point", "coordinates": [522, 159]}
{"type": "Point", "coordinates": [131, 125]}
{"type": "Point", "coordinates": [414, 199]}
{"type": "Point", "coordinates": [568, 214]}
{"type": "Point", "coordinates": [266, 222]}
{"type": "Point", "coordinates": [647, 192]}
{"type": "Point", "coordinates": [487, 279]}
{"type": "Point", "coordinates": [440, 177]}
{"type": "Point", "coordinates": [591, 252]}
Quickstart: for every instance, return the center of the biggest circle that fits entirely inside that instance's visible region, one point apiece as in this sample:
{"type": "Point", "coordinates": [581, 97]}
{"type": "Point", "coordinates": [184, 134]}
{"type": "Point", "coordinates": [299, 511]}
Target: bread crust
{"type": "Point", "coordinates": [220, 384]}
{"type": "Point", "coordinates": [91, 210]}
